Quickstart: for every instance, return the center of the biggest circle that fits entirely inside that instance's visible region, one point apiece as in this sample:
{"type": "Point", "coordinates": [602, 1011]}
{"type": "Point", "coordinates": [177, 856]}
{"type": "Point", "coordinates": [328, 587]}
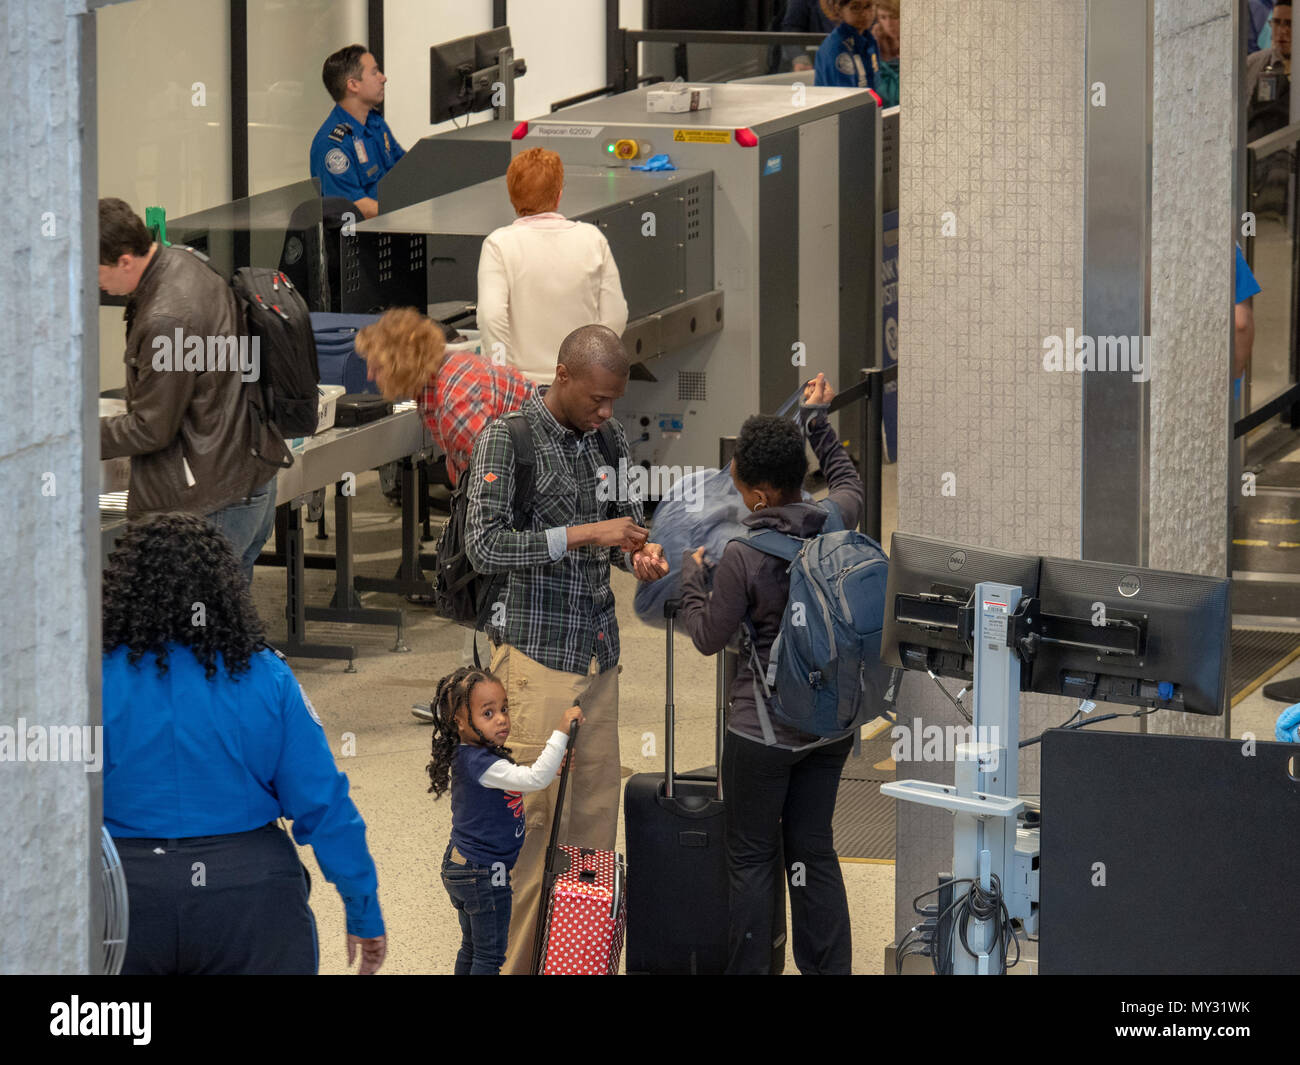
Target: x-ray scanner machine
{"type": "Point", "coordinates": [796, 216]}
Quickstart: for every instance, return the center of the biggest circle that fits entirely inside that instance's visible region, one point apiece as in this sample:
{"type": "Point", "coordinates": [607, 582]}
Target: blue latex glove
{"type": "Point", "coordinates": [1287, 729]}
{"type": "Point", "coordinates": [656, 162]}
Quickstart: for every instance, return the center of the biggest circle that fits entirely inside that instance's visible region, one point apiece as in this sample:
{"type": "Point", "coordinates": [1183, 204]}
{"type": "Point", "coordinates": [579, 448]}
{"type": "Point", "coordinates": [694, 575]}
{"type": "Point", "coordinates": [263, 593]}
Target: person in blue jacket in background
{"type": "Point", "coordinates": [849, 57]}
{"type": "Point", "coordinates": [208, 740]}
{"type": "Point", "coordinates": [1245, 288]}
{"type": "Point", "coordinates": [354, 147]}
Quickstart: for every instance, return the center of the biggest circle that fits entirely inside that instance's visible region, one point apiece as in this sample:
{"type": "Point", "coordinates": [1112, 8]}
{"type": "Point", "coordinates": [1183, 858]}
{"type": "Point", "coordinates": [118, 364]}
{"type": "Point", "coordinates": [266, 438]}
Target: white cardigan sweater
{"type": "Point", "coordinates": [538, 280]}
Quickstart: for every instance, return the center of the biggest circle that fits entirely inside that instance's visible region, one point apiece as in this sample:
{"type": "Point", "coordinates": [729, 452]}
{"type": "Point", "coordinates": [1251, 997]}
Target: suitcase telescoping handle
{"type": "Point", "coordinates": [670, 612]}
{"type": "Point", "coordinates": [552, 849]}
{"type": "Point", "coordinates": [670, 710]}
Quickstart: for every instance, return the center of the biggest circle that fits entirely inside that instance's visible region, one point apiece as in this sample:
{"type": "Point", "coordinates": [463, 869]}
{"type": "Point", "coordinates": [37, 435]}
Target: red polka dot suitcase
{"type": "Point", "coordinates": [586, 915]}
{"type": "Point", "coordinates": [583, 916]}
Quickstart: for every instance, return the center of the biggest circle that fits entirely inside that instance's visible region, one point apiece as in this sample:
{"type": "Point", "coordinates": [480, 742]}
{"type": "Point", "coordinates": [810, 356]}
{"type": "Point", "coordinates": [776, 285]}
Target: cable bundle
{"type": "Point", "coordinates": [975, 904]}
{"type": "Point", "coordinates": [988, 906]}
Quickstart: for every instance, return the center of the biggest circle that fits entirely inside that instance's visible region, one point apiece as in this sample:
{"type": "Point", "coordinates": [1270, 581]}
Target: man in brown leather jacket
{"type": "Point", "coordinates": [189, 432]}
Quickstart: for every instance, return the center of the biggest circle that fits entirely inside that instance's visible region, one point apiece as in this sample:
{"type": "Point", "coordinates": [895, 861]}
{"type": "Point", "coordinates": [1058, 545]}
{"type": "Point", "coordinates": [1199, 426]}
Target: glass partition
{"type": "Point", "coordinates": [288, 41]}
{"type": "Point", "coordinates": [163, 119]}
{"type": "Point", "coordinates": [1272, 253]}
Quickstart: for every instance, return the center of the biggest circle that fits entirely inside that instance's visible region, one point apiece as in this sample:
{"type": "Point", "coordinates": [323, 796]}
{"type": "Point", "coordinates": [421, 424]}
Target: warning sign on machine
{"type": "Point", "coordinates": [702, 136]}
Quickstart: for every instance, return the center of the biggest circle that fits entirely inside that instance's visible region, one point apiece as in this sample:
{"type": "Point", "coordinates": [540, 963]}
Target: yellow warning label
{"type": "Point", "coordinates": [702, 136]}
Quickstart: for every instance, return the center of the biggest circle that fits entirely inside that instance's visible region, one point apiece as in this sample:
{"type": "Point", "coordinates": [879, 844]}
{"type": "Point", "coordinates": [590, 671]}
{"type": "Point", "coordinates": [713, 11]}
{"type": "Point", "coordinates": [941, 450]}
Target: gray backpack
{"type": "Point", "coordinates": [824, 674]}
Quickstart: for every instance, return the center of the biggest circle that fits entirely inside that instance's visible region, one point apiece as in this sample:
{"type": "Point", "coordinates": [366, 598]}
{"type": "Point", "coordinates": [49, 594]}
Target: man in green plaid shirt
{"type": "Point", "coordinates": [555, 634]}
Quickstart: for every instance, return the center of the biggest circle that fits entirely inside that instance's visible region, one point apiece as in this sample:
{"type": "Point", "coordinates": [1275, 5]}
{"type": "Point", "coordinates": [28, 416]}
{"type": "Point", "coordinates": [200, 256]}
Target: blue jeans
{"type": "Point", "coordinates": [247, 523]}
{"type": "Point", "coordinates": [484, 912]}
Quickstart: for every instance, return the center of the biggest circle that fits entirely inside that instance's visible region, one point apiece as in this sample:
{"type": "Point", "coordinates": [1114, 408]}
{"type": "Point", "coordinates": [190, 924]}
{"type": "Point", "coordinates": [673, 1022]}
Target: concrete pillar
{"type": "Point", "coordinates": [49, 478]}
{"type": "Point", "coordinates": [990, 250]}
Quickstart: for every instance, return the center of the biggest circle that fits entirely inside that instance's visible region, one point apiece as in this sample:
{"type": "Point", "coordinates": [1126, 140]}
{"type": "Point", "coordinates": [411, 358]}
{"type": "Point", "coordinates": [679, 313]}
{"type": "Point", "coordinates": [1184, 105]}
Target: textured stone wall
{"type": "Point", "coordinates": [1192, 257]}
{"type": "Point", "coordinates": [49, 617]}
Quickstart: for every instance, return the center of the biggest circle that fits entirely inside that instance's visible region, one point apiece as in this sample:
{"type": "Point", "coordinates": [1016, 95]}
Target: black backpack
{"type": "Point", "coordinates": [277, 315]}
{"type": "Point", "coordinates": [460, 593]}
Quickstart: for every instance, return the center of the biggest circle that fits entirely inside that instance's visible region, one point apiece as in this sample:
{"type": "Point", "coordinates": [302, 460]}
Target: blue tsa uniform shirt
{"type": "Point", "coordinates": [847, 59]}
{"type": "Point", "coordinates": [1245, 283]}
{"type": "Point", "coordinates": [350, 158]}
{"type": "Point", "coordinates": [187, 756]}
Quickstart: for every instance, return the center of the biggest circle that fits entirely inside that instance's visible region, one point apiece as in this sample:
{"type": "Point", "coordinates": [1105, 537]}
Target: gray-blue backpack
{"type": "Point", "coordinates": [824, 673]}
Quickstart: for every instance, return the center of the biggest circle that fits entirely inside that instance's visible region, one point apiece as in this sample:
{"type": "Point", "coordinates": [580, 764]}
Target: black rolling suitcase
{"type": "Point", "coordinates": [677, 862]}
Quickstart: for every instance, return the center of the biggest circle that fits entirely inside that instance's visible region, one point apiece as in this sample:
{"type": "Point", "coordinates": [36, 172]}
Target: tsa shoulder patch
{"type": "Point", "coordinates": [339, 132]}
{"type": "Point", "coordinates": [336, 161]}
{"type": "Point", "coordinates": [310, 709]}
{"type": "Point", "coordinates": [844, 63]}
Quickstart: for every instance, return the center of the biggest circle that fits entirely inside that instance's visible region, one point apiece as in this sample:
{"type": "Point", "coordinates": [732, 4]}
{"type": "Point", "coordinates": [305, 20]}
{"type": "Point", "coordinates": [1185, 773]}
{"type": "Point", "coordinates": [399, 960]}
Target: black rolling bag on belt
{"type": "Point", "coordinates": [677, 885]}
{"type": "Point", "coordinates": [360, 408]}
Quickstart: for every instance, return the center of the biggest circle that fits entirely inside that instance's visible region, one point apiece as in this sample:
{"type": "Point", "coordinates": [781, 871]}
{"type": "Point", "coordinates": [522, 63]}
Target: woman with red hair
{"type": "Point", "coordinates": [543, 276]}
{"type": "Point", "coordinates": [459, 392]}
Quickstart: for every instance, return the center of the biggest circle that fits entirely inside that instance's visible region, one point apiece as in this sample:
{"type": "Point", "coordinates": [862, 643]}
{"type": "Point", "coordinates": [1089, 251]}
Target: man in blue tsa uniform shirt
{"type": "Point", "coordinates": [849, 58]}
{"type": "Point", "coordinates": [354, 147]}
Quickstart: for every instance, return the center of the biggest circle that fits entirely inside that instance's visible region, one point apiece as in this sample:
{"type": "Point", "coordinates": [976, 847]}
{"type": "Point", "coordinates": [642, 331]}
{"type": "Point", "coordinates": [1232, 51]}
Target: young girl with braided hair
{"type": "Point", "coordinates": [470, 727]}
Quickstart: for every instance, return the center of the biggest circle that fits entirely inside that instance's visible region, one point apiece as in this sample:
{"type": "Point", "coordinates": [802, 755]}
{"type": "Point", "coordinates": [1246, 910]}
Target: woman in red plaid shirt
{"type": "Point", "coordinates": [459, 391]}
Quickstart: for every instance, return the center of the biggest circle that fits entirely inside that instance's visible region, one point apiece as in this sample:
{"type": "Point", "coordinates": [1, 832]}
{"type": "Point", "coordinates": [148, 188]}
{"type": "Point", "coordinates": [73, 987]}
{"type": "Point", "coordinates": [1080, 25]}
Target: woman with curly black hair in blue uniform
{"type": "Point", "coordinates": [208, 741]}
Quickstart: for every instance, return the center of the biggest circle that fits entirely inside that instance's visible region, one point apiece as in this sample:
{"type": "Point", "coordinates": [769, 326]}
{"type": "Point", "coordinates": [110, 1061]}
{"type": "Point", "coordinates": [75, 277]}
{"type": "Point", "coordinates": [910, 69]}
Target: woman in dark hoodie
{"type": "Point", "coordinates": [780, 783]}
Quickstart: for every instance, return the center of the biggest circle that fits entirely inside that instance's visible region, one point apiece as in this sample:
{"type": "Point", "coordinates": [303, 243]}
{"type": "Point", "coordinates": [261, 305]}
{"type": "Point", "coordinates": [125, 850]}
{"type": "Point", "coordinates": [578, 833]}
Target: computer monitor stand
{"type": "Point", "coordinates": [984, 797]}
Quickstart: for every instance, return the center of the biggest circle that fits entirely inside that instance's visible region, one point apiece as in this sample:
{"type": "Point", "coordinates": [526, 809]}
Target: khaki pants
{"type": "Point", "coordinates": [538, 697]}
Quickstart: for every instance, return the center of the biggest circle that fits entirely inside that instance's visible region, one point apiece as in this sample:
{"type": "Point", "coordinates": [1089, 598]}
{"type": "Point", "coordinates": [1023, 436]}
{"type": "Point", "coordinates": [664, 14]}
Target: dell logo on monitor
{"type": "Point", "coordinates": [1129, 586]}
{"type": "Point", "coordinates": [956, 560]}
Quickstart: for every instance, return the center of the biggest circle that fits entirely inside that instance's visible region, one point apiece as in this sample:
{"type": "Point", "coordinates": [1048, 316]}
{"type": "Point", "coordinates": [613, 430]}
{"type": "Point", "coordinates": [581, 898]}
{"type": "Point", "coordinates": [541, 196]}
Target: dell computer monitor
{"type": "Point", "coordinates": [945, 573]}
{"type": "Point", "coordinates": [1182, 622]}
{"type": "Point", "coordinates": [451, 70]}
